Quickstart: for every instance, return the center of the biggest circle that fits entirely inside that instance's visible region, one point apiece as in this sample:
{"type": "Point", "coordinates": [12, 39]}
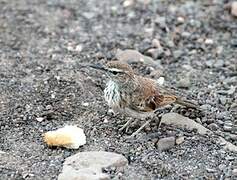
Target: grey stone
{"type": "Point", "coordinates": [205, 106]}
{"type": "Point", "coordinates": [228, 123]}
{"type": "Point", "coordinates": [177, 54]}
{"type": "Point", "coordinates": [195, 23]}
{"type": "Point", "coordinates": [180, 140]}
{"type": "Point", "coordinates": [231, 90]}
{"type": "Point", "coordinates": [184, 82]}
{"type": "Point", "coordinates": [223, 115]}
{"type": "Point", "coordinates": [222, 100]}
{"type": "Point", "coordinates": [89, 165]}
{"type": "Point", "coordinates": [233, 137]}
{"type": "Point", "coordinates": [133, 56]}
{"type": "Point", "coordinates": [209, 63]}
{"type": "Point", "coordinates": [83, 174]}
{"type": "Point", "coordinates": [233, 106]}
{"type": "Point", "coordinates": [170, 43]}
{"type": "Point", "coordinates": [234, 8]}
{"type": "Point", "coordinates": [234, 173]}
{"type": "Point", "coordinates": [161, 21]}
{"type": "Point", "coordinates": [219, 63]}
{"type": "Point", "coordinates": [186, 34]}
{"type": "Point", "coordinates": [88, 15]}
{"type": "Point", "coordinates": [166, 143]}
{"type": "Point", "coordinates": [222, 167]}
{"type": "Point", "coordinates": [184, 122]}
{"type": "Point", "coordinates": [227, 128]}
{"type": "Point", "coordinates": [210, 170]}
{"type": "Point", "coordinates": [220, 122]}
{"type": "Point", "coordinates": [156, 43]}
{"type": "Point", "coordinates": [213, 126]}
{"type": "Point", "coordinates": [155, 52]}
{"type": "Point", "coordinates": [208, 41]}
{"type": "Point", "coordinates": [228, 146]}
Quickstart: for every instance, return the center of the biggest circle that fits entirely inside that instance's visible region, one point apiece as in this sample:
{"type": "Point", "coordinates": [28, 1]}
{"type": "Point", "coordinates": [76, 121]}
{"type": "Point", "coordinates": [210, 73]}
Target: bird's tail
{"type": "Point", "coordinates": [187, 103]}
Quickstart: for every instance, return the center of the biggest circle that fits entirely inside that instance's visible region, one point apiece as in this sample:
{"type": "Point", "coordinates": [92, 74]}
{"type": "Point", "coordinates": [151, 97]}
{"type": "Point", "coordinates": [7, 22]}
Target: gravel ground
{"type": "Point", "coordinates": [42, 44]}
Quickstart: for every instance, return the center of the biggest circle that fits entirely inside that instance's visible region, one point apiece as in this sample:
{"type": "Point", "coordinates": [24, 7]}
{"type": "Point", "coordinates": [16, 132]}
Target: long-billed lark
{"type": "Point", "coordinates": [133, 95]}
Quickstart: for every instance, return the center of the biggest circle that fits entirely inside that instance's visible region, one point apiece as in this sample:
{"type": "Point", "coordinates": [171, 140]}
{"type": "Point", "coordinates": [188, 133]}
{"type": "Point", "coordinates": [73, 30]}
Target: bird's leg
{"type": "Point", "coordinates": [158, 121]}
{"type": "Point", "coordinates": [137, 131]}
{"type": "Point", "coordinates": [126, 125]}
{"type": "Point", "coordinates": [130, 123]}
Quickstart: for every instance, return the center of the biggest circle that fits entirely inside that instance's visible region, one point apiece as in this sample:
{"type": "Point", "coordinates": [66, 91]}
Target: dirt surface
{"type": "Point", "coordinates": [42, 44]}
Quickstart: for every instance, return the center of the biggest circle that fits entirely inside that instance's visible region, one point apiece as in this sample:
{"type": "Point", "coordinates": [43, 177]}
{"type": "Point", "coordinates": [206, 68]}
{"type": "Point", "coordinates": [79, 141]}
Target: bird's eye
{"type": "Point", "coordinates": [115, 72]}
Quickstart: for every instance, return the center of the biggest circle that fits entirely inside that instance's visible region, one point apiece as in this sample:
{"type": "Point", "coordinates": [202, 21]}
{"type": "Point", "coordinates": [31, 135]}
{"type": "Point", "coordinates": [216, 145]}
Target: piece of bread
{"type": "Point", "coordinates": [70, 137]}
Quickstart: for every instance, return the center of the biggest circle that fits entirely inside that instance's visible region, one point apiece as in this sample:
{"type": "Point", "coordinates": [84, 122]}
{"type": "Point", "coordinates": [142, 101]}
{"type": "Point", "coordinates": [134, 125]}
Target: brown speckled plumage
{"type": "Point", "coordinates": [135, 95]}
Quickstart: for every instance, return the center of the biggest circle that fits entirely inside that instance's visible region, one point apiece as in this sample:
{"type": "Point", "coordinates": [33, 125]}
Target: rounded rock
{"type": "Point", "coordinates": [166, 143]}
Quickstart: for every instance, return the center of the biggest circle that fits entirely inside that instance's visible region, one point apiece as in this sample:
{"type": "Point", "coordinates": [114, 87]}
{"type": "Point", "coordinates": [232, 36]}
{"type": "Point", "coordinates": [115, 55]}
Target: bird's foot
{"type": "Point", "coordinates": [126, 125]}
{"type": "Point", "coordinates": [139, 130]}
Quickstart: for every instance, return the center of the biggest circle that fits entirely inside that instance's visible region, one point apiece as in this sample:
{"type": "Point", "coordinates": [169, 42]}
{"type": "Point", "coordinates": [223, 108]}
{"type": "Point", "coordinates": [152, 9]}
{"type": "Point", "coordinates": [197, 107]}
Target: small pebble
{"type": "Point", "coordinates": [155, 52]}
{"type": "Point", "coordinates": [223, 144]}
{"type": "Point", "coordinates": [156, 43]}
{"type": "Point", "coordinates": [114, 9]}
{"type": "Point", "coordinates": [229, 158]}
{"type": "Point", "coordinates": [184, 83]}
{"type": "Point", "coordinates": [219, 63]}
{"type": "Point", "coordinates": [222, 167]}
{"type": "Point", "coordinates": [70, 47]}
{"type": "Point", "coordinates": [231, 90]}
{"type": "Point", "coordinates": [234, 172]}
{"type": "Point", "coordinates": [177, 54]}
{"type": "Point", "coordinates": [209, 63]}
{"type": "Point", "coordinates": [233, 137]}
{"type": "Point", "coordinates": [180, 19]}
{"type": "Point", "coordinates": [227, 128]}
{"type": "Point", "coordinates": [208, 41]}
{"type": "Point", "coordinates": [110, 111]}
{"type": "Point", "coordinates": [213, 126]}
{"type": "Point", "coordinates": [205, 106]}
{"type": "Point", "coordinates": [161, 81]}
{"type": "Point", "coordinates": [186, 34]}
{"type": "Point", "coordinates": [220, 122]}
{"type": "Point", "coordinates": [234, 9]}
{"type": "Point", "coordinates": [179, 140]}
{"type": "Point", "coordinates": [48, 107]}
{"type": "Point", "coordinates": [166, 143]}
{"type": "Point", "coordinates": [198, 120]}
{"type": "Point", "coordinates": [78, 48]}
{"type": "Point", "coordinates": [222, 100]}
{"type": "Point", "coordinates": [39, 119]}
{"type": "Point", "coordinates": [170, 43]}
{"type": "Point", "coordinates": [219, 49]}
{"type": "Point", "coordinates": [106, 120]}
{"type": "Point", "coordinates": [228, 123]}
{"type": "Point", "coordinates": [210, 170]}
{"type": "Point", "coordinates": [85, 104]}
{"type": "Point", "coordinates": [128, 3]}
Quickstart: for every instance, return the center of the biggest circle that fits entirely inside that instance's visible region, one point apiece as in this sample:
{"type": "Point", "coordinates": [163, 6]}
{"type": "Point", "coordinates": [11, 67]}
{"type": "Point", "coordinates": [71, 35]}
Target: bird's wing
{"type": "Point", "coordinates": [153, 102]}
{"type": "Point", "coordinates": [148, 98]}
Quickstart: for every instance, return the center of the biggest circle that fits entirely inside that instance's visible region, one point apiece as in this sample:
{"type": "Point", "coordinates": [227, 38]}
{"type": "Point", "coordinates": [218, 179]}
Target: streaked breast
{"type": "Point", "coordinates": [112, 94]}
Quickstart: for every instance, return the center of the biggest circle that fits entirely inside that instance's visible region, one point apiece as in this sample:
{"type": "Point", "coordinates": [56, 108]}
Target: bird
{"type": "Point", "coordinates": [133, 95]}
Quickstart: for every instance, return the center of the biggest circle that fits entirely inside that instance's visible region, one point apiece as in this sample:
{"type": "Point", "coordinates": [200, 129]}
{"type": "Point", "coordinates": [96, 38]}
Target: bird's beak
{"type": "Point", "coordinates": [98, 66]}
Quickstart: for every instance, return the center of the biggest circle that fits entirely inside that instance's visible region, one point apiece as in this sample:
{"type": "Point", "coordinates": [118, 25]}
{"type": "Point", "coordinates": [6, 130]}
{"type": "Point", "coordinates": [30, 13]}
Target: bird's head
{"type": "Point", "coordinates": [117, 71]}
